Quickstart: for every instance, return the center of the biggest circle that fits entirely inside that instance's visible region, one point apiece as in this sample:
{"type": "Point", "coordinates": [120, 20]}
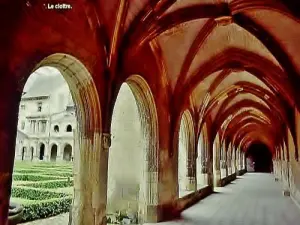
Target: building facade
{"type": "Point", "coordinates": [46, 121]}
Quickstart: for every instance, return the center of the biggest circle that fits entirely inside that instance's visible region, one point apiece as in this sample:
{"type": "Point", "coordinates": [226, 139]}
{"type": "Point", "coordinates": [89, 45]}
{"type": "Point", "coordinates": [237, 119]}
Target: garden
{"type": "Point", "coordinates": [43, 189]}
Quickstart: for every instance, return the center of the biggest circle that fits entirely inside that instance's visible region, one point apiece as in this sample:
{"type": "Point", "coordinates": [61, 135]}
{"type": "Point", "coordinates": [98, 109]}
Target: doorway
{"type": "Point", "coordinates": [260, 157]}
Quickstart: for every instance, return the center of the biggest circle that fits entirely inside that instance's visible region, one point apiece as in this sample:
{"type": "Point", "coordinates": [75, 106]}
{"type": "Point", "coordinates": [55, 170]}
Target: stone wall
{"type": "Point", "coordinates": [126, 170]}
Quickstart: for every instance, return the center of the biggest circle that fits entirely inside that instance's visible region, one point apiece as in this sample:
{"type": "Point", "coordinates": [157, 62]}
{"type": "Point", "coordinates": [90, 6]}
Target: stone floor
{"type": "Point", "coordinates": [253, 199]}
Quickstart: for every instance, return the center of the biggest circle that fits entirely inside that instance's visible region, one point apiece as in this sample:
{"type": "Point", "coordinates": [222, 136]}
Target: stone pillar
{"type": "Point", "coordinates": [204, 172]}
{"type": "Point", "coordinates": [210, 167]}
{"type": "Point", "coordinates": [233, 158]}
{"type": "Point", "coordinates": [286, 179]}
{"type": "Point", "coordinates": [276, 169]}
{"type": "Point", "coordinates": [223, 167]}
{"type": "Point", "coordinates": [151, 206]}
{"type": "Point", "coordinates": [244, 159]}
{"type": "Point", "coordinates": [191, 184]}
{"type": "Point", "coordinates": [279, 169]}
{"type": "Point", "coordinates": [99, 196]}
{"type": "Point", "coordinates": [241, 161]}
{"type": "Point", "coordinates": [229, 166]}
{"type": "Point", "coordinates": [217, 174]}
{"type": "Point", "coordinates": [225, 163]}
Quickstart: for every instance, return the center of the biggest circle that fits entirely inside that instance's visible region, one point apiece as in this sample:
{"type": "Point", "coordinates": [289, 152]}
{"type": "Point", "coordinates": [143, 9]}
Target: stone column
{"type": "Point", "coordinates": [191, 184]}
{"type": "Point", "coordinates": [204, 171]}
{"type": "Point", "coordinates": [210, 165]}
{"type": "Point", "coordinates": [151, 207]}
{"type": "Point", "coordinates": [229, 166]}
{"type": "Point", "coordinates": [225, 163]}
{"type": "Point", "coordinates": [241, 166]}
{"type": "Point", "coordinates": [276, 169]}
{"type": "Point", "coordinates": [244, 159]}
{"type": "Point", "coordinates": [233, 158]}
{"type": "Point", "coordinates": [217, 175]}
{"type": "Point", "coordinates": [100, 171]}
{"type": "Point", "coordinates": [286, 178]}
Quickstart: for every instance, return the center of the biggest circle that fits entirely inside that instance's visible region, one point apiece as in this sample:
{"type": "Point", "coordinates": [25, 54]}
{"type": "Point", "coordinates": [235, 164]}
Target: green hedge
{"type": "Point", "coordinates": [44, 172]}
{"type": "Point", "coordinates": [51, 166]}
{"type": "Point", "coordinates": [33, 194]}
{"type": "Point", "coordinates": [59, 174]}
{"type": "Point", "coordinates": [51, 184]}
{"type": "Point", "coordinates": [31, 177]}
{"type": "Point", "coordinates": [24, 171]}
{"type": "Point", "coordinates": [46, 209]}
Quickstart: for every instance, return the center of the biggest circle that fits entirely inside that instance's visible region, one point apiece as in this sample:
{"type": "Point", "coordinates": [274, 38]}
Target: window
{"type": "Point", "coordinates": [39, 107]}
{"type": "Point", "coordinates": [69, 128]}
{"type": "Point", "coordinates": [23, 125]}
{"type": "Point", "coordinates": [23, 107]}
{"type": "Point", "coordinates": [43, 129]}
{"type": "Point", "coordinates": [56, 128]}
{"type": "Point", "coordinates": [34, 126]}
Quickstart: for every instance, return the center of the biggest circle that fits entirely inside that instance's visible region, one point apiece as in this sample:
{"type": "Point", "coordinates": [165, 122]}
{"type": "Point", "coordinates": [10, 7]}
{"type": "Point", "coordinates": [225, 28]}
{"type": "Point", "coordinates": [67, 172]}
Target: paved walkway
{"type": "Point", "coordinates": [253, 199]}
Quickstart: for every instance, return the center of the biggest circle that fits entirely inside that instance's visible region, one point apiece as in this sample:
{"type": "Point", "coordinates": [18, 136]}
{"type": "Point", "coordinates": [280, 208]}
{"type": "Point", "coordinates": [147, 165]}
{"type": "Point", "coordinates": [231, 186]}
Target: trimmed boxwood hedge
{"type": "Point", "coordinates": [44, 209]}
{"type": "Point", "coordinates": [30, 177]}
{"type": "Point", "coordinates": [60, 174]}
{"type": "Point", "coordinates": [51, 166]}
{"type": "Point", "coordinates": [34, 194]}
{"type": "Point", "coordinates": [51, 184]}
{"type": "Point", "coordinates": [24, 171]}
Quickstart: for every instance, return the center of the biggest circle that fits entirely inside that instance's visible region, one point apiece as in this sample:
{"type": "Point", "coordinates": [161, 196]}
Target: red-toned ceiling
{"type": "Point", "coordinates": [206, 51]}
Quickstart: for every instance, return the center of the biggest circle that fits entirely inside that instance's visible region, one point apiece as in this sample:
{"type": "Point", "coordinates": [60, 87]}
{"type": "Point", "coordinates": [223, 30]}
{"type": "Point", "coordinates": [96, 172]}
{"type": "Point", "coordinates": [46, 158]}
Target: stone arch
{"type": "Point", "coordinates": [147, 113]}
{"type": "Point", "coordinates": [186, 154]}
{"type": "Point", "coordinates": [53, 152]}
{"type": "Point", "coordinates": [216, 160]}
{"type": "Point", "coordinates": [42, 151]}
{"type": "Point", "coordinates": [88, 133]}
{"type": "Point", "coordinates": [202, 157]}
{"type": "Point", "coordinates": [67, 153]}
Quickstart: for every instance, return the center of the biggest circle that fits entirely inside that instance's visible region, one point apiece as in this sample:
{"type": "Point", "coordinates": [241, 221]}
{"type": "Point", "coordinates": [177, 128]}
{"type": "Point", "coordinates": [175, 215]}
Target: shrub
{"type": "Point", "coordinates": [61, 174]}
{"type": "Point", "coordinates": [34, 194]}
{"type": "Point", "coordinates": [31, 177]}
{"type": "Point", "coordinates": [44, 209]}
{"type": "Point", "coordinates": [51, 184]}
{"type": "Point", "coordinates": [24, 171]}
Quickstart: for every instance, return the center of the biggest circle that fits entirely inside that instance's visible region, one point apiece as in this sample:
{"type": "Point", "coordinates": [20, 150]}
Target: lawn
{"type": "Point", "coordinates": [44, 189]}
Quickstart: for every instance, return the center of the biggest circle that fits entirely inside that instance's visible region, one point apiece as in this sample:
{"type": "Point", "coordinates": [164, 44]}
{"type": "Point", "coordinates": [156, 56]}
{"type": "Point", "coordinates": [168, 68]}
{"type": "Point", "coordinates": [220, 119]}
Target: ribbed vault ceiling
{"type": "Point", "coordinates": [220, 57]}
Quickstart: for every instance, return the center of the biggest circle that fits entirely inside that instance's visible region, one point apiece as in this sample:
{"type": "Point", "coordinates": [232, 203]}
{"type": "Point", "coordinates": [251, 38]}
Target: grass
{"type": "Point", "coordinates": [43, 188]}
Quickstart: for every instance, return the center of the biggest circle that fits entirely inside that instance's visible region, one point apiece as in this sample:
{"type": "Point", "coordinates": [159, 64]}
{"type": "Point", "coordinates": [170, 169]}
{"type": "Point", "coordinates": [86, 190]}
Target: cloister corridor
{"type": "Point", "coordinates": [212, 95]}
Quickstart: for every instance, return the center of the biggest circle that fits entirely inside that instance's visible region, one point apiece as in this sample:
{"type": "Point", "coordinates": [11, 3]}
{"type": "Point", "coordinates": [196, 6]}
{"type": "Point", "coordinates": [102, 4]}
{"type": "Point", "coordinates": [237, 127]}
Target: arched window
{"type": "Point", "coordinates": [56, 128]}
{"type": "Point", "coordinates": [67, 152]}
{"type": "Point", "coordinates": [69, 128]}
{"type": "Point", "coordinates": [42, 151]}
{"type": "Point", "coordinates": [53, 152]}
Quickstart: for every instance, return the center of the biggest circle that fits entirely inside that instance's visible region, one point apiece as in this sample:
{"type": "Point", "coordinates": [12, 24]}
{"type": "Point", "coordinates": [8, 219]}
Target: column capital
{"type": "Point", "coordinates": [106, 140]}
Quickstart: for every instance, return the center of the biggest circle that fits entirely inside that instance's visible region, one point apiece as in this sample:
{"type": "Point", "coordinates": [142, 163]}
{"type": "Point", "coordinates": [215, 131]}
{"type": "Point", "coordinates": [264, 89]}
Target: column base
{"type": "Point", "coordinates": [286, 193]}
{"type": "Point", "coordinates": [217, 179]}
{"type": "Point", "coordinates": [151, 214]}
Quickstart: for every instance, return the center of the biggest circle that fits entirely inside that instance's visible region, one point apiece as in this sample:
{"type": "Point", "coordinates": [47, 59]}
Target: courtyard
{"type": "Point", "coordinates": [44, 189]}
